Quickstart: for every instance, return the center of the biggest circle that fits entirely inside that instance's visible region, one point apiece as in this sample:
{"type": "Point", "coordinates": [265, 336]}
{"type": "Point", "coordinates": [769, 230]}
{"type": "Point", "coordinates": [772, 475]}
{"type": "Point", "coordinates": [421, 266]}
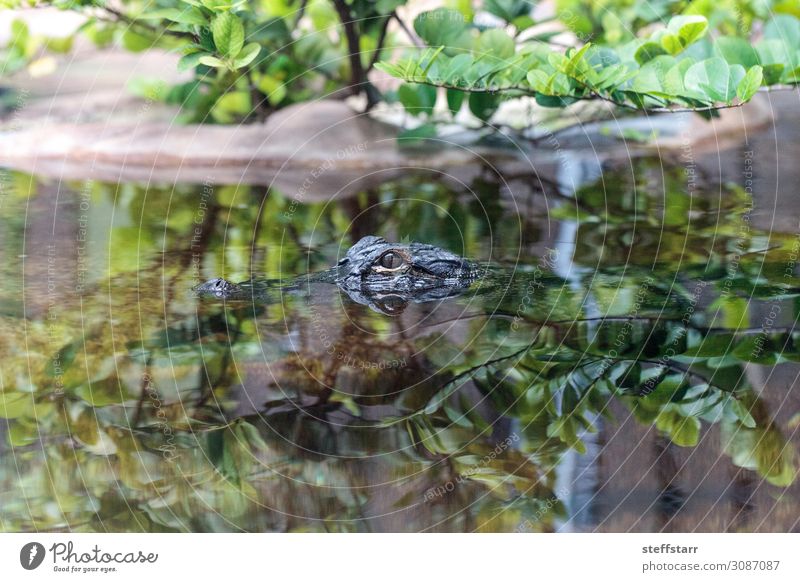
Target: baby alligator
{"type": "Point", "coordinates": [385, 276]}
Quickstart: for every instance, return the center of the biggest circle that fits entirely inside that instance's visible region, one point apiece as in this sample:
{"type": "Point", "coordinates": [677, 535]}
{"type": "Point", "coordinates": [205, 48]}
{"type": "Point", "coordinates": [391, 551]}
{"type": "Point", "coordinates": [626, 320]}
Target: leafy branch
{"type": "Point", "coordinates": [678, 68]}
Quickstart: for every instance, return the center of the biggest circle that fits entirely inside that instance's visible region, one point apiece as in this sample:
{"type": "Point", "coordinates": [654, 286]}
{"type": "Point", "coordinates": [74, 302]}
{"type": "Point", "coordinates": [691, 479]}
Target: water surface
{"type": "Point", "coordinates": [629, 365]}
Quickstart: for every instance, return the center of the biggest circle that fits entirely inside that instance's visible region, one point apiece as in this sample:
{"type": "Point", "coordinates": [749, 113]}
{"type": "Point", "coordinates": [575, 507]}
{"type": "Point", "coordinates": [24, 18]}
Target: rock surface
{"type": "Point", "coordinates": [81, 122]}
{"type": "Point", "coordinates": [310, 151]}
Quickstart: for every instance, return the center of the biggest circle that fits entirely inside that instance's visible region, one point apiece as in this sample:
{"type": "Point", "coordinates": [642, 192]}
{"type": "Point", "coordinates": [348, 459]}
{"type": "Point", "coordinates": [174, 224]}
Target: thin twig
{"type": "Point", "coordinates": [411, 36]}
{"type": "Point", "coordinates": [381, 40]}
{"type": "Point", "coordinates": [300, 13]}
{"type": "Point", "coordinates": [131, 22]}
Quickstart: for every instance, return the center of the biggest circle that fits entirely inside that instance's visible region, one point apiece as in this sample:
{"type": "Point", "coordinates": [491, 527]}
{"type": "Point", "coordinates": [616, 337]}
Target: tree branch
{"type": "Point", "coordinates": [358, 81]}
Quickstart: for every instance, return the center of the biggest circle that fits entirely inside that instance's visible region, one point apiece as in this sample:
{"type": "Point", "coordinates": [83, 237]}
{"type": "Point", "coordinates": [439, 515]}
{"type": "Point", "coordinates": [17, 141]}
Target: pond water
{"type": "Point", "coordinates": [626, 364]}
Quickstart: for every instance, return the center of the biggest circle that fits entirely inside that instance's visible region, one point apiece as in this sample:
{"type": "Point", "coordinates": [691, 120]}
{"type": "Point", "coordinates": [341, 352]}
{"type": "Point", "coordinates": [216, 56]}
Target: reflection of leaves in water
{"type": "Point", "coordinates": [177, 452]}
{"type": "Point", "coordinates": [756, 443]}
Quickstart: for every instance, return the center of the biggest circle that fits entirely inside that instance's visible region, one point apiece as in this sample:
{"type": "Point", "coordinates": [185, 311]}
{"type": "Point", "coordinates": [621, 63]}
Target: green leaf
{"type": "Point", "coordinates": [750, 84]}
{"type": "Point", "coordinates": [190, 61]}
{"type": "Point", "coordinates": [736, 51]}
{"type": "Point", "coordinates": [712, 346]}
{"type": "Point", "coordinates": [741, 412]}
{"type": "Point", "coordinates": [247, 55]}
{"type": "Point", "coordinates": [574, 64]}
{"type": "Point", "coordinates": [103, 392]}
{"type": "Point", "coordinates": [762, 449]}
{"type": "Point", "coordinates": [135, 42]}
{"type": "Point", "coordinates": [628, 376]}
{"type": "Point", "coordinates": [483, 105]}
{"type": "Point", "coordinates": [792, 75]}
{"type": "Point", "coordinates": [612, 76]}
{"type": "Point", "coordinates": [455, 100]}
{"type": "Point", "coordinates": [508, 10]}
{"type": "Point", "coordinates": [101, 36]}
{"type": "Point", "coordinates": [272, 87]}
{"type": "Point", "coordinates": [231, 106]}
{"type": "Point", "coordinates": [414, 137]}
{"type": "Point", "coordinates": [784, 28]}
{"type": "Point", "coordinates": [773, 73]}
{"type": "Point", "coordinates": [459, 64]}
{"type": "Point", "coordinates": [252, 436]}
{"type": "Point", "coordinates": [431, 61]}
{"type": "Point", "coordinates": [566, 428]}
{"type": "Point", "coordinates": [207, 40]}
{"type": "Point", "coordinates": [210, 61]}
{"type": "Point", "coordinates": [538, 80]}
{"type": "Point", "coordinates": [66, 355]}
{"type": "Point", "coordinates": [553, 100]}
{"type": "Point", "coordinates": [387, 6]}
{"type": "Point", "coordinates": [190, 15]}
{"type": "Point", "coordinates": [417, 98]}
{"type": "Point", "coordinates": [59, 45]}
{"type": "Point", "coordinates": [757, 349]}
{"type": "Point", "coordinates": [684, 431]}
{"type": "Point", "coordinates": [737, 73]}
{"type": "Point", "coordinates": [713, 79]}
{"type": "Point", "coordinates": [648, 51]}
{"type": "Point", "coordinates": [773, 51]}
{"type": "Point", "coordinates": [664, 389]}
{"type": "Point", "coordinates": [444, 27]}
{"type": "Point", "coordinates": [391, 69]}
{"type": "Point", "coordinates": [228, 34]}
{"type": "Point", "coordinates": [20, 33]}
{"type": "Point", "coordinates": [559, 84]}
{"type": "Point", "coordinates": [15, 404]}
{"type": "Point", "coordinates": [218, 5]}
{"type": "Point", "coordinates": [673, 80]}
{"type": "Point", "coordinates": [495, 44]}
{"type": "Point", "coordinates": [651, 78]}
{"type": "Point", "coordinates": [683, 31]}
{"type": "Point", "coordinates": [523, 23]}
{"type": "Point", "coordinates": [457, 417]}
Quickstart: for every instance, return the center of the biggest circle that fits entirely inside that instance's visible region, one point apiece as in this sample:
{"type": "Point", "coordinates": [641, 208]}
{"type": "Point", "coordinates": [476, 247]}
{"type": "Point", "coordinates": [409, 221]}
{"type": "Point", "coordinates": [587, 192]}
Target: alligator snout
{"type": "Point", "coordinates": [217, 288]}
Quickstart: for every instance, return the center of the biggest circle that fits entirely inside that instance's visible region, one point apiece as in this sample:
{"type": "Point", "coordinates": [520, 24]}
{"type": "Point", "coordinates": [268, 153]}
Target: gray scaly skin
{"type": "Point", "coordinates": [385, 276]}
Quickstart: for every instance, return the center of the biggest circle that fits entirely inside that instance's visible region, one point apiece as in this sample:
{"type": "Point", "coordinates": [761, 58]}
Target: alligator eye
{"type": "Point", "coordinates": [391, 260]}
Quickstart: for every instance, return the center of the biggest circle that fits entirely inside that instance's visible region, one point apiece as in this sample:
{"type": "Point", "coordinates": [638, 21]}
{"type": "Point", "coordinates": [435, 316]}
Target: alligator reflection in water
{"type": "Point", "coordinates": [308, 410]}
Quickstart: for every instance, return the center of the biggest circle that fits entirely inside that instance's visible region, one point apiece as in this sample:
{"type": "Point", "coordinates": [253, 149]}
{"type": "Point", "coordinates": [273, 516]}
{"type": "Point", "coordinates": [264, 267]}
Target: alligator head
{"type": "Point", "coordinates": [388, 276]}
